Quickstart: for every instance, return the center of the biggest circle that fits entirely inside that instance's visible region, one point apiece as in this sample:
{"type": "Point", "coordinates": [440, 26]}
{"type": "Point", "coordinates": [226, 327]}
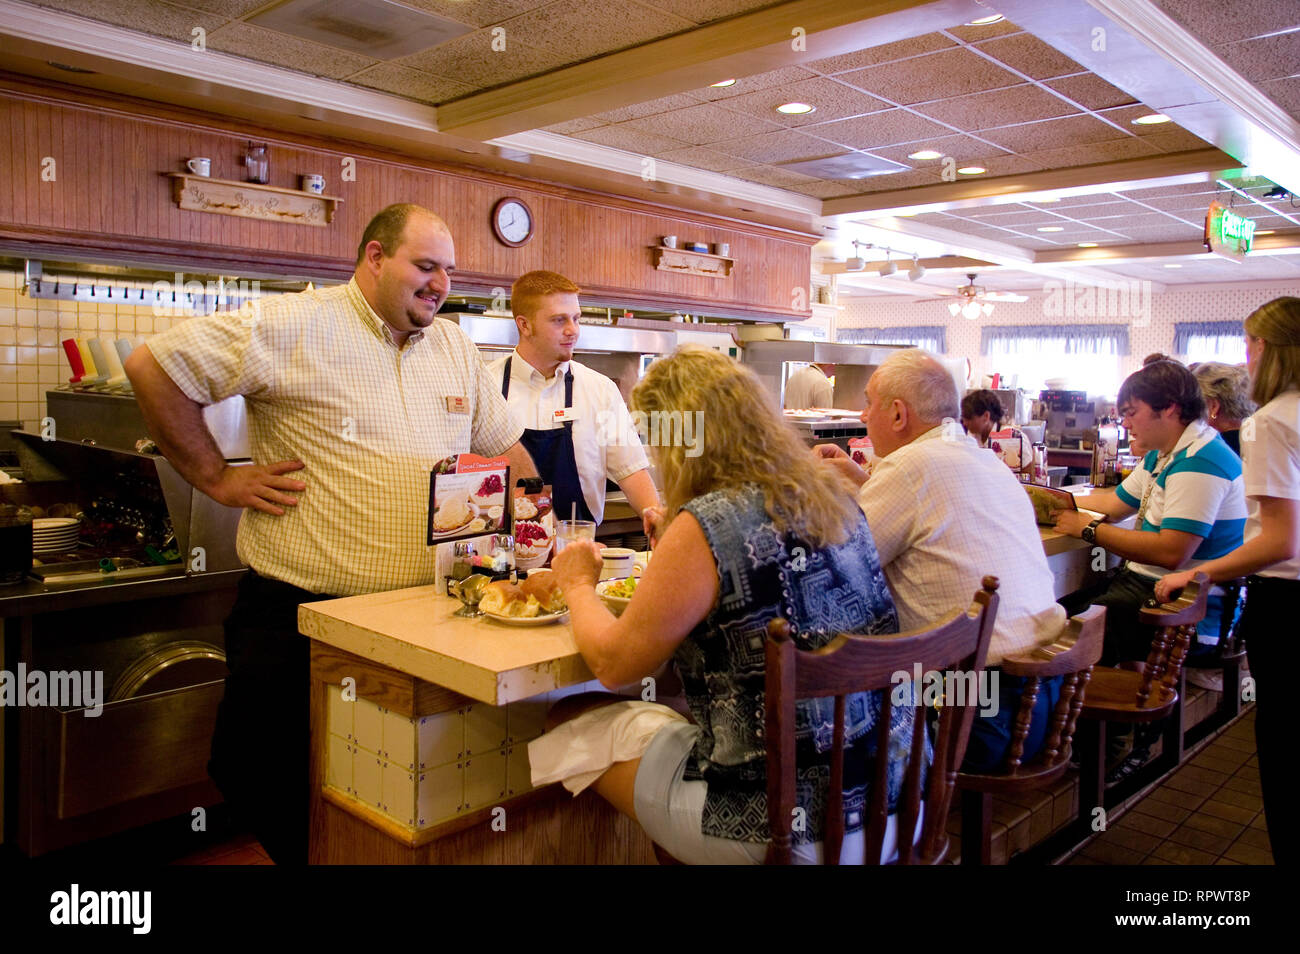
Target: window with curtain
{"type": "Point", "coordinates": [1083, 357]}
{"type": "Point", "coordinates": [1210, 341]}
{"type": "Point", "coordinates": [933, 338]}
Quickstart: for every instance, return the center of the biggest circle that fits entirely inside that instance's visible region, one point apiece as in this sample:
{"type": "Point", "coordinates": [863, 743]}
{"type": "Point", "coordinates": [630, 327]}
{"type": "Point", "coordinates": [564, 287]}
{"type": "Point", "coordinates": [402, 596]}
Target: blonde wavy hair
{"type": "Point", "coordinates": [745, 440]}
{"type": "Point", "coordinates": [1277, 324]}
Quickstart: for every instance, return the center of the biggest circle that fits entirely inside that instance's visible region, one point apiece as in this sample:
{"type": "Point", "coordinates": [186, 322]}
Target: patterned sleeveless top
{"type": "Point", "coordinates": [763, 574]}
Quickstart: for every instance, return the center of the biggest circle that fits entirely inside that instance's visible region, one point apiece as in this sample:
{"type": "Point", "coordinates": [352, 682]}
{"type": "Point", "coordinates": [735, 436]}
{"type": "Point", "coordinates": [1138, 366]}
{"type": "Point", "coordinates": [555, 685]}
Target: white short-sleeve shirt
{"type": "Point", "coordinates": [1270, 451]}
{"type": "Point", "coordinates": [945, 513]}
{"type": "Point", "coordinates": [604, 441]}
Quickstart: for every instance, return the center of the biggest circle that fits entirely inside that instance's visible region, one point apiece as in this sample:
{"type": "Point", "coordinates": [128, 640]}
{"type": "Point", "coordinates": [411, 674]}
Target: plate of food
{"type": "Point", "coordinates": [617, 593]}
{"type": "Point", "coordinates": [534, 601]}
{"type": "Point", "coordinates": [454, 513]}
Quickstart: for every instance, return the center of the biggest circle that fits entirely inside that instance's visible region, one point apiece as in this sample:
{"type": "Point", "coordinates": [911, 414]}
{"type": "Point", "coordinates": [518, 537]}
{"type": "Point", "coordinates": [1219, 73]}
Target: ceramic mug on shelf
{"type": "Point", "coordinates": [314, 184]}
{"type": "Point", "coordinates": [200, 167]}
{"type": "Point", "coordinates": [722, 248]}
{"type": "Point", "coordinates": [670, 241]}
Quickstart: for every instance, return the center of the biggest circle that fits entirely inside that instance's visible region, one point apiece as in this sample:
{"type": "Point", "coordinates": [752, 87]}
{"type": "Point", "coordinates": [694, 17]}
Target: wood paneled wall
{"type": "Point", "coordinates": [109, 196]}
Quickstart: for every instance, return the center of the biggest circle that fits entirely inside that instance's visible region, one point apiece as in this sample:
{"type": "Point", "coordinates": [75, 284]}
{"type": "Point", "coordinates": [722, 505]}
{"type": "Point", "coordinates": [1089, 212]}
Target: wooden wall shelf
{"type": "Point", "coordinates": [691, 263]}
{"type": "Point", "coordinates": [249, 200]}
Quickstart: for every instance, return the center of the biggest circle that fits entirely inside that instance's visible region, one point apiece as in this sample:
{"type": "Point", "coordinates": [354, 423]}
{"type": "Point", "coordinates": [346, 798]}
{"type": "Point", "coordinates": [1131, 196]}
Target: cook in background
{"type": "Point", "coordinates": [1226, 389]}
{"type": "Point", "coordinates": [982, 414]}
{"type": "Point", "coordinates": [1271, 552]}
{"type": "Point", "coordinates": [1187, 493]}
{"type": "Point", "coordinates": [944, 513]}
{"type": "Point", "coordinates": [576, 426]}
{"type": "Point", "coordinates": [359, 389]}
{"type": "Point", "coordinates": [810, 386]}
{"type": "Point", "coordinates": [752, 535]}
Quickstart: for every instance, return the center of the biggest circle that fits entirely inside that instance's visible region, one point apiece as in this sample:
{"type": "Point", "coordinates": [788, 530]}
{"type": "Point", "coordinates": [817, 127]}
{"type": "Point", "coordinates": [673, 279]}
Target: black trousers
{"type": "Point", "coordinates": [1270, 603]}
{"type": "Point", "coordinates": [261, 745]}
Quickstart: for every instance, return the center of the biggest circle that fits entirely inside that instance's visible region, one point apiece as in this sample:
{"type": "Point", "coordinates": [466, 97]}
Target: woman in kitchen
{"type": "Point", "coordinates": [755, 529]}
{"type": "Point", "coordinates": [1270, 445]}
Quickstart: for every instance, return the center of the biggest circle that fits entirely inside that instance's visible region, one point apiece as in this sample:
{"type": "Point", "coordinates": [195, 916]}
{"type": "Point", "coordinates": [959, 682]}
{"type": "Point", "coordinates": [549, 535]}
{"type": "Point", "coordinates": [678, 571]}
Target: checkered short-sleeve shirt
{"type": "Point", "coordinates": [325, 384]}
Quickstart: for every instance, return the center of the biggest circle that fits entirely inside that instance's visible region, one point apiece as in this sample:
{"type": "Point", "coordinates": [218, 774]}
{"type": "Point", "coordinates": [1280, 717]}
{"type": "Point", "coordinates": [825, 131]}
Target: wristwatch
{"type": "Point", "coordinates": [1089, 533]}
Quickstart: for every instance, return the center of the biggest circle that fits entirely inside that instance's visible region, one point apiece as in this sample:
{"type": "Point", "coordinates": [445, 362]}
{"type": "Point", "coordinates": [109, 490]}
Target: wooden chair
{"type": "Point", "coordinates": [850, 664]}
{"type": "Point", "coordinates": [1124, 695]}
{"type": "Point", "coordinates": [1072, 655]}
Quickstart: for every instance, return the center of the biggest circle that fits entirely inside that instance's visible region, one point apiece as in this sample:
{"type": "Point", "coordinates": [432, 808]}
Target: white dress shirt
{"type": "Point", "coordinates": [944, 514]}
{"type": "Point", "coordinates": [598, 411]}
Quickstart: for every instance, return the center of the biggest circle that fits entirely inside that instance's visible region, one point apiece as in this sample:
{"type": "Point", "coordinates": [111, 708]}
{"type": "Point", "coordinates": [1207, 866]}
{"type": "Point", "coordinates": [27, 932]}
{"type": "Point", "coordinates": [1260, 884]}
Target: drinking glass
{"type": "Point", "coordinates": [569, 530]}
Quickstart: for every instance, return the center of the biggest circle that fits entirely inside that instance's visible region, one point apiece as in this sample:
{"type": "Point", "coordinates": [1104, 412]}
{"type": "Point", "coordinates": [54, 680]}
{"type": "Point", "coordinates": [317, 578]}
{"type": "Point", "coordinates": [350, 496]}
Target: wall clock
{"type": "Point", "coordinates": [512, 221]}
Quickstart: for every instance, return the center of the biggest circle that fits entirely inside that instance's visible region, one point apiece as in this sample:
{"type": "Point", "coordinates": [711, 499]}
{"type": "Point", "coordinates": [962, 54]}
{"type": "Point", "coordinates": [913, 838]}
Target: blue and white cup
{"type": "Point", "coordinates": [314, 184]}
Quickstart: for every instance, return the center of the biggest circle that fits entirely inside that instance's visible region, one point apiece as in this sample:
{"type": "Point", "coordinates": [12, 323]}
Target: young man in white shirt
{"type": "Point", "coordinates": [576, 425]}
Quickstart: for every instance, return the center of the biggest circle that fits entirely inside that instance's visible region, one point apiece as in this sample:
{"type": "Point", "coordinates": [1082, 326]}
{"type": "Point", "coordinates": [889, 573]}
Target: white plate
{"type": "Point", "coordinates": [54, 523]}
{"type": "Point", "coordinates": [527, 620]}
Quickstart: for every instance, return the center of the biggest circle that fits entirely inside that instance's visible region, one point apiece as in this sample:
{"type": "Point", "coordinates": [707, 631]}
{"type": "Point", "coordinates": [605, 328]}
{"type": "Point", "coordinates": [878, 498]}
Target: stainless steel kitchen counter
{"type": "Point", "coordinates": [31, 598]}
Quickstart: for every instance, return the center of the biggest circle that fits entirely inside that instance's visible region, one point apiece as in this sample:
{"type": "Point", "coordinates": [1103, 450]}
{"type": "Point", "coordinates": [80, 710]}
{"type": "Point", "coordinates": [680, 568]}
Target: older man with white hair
{"type": "Point", "coordinates": [944, 513]}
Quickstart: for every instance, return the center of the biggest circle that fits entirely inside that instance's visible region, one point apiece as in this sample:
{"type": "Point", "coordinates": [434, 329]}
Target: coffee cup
{"type": "Point", "coordinates": [618, 562]}
{"type": "Point", "coordinates": [200, 167]}
{"type": "Point", "coordinates": [314, 184]}
{"type": "Point", "coordinates": [670, 241]}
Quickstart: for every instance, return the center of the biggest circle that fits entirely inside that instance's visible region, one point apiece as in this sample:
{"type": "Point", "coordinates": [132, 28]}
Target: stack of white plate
{"type": "Point", "coordinates": [55, 534]}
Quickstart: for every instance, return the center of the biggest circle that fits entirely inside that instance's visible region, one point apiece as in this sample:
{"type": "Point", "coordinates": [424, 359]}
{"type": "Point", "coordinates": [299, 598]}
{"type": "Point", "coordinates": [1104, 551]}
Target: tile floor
{"type": "Point", "coordinates": [1207, 813]}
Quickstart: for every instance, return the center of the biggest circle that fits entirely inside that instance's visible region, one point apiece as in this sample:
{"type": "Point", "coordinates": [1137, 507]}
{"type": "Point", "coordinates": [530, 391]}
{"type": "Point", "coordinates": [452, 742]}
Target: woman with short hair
{"type": "Point", "coordinates": [1226, 389]}
{"type": "Point", "coordinates": [756, 529]}
{"type": "Point", "coordinates": [1270, 447]}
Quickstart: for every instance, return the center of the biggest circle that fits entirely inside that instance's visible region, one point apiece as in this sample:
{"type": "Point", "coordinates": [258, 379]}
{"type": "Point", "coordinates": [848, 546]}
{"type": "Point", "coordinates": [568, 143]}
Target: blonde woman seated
{"type": "Point", "coordinates": [755, 529]}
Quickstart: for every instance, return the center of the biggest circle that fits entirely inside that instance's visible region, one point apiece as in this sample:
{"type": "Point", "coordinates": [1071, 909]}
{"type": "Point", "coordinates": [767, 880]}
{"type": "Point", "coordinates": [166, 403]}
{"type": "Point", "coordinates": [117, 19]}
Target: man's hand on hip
{"type": "Point", "coordinates": [258, 487]}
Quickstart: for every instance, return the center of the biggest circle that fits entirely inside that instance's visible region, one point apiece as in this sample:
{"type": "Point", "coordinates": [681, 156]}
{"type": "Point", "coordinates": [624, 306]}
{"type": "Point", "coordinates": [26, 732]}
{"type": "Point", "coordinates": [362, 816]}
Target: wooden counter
{"type": "Point", "coordinates": [421, 720]}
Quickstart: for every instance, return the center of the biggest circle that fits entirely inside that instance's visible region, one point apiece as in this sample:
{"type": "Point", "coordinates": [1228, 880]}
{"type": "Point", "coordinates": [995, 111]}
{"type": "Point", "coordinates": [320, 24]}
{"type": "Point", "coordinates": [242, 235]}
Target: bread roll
{"type": "Point", "coordinates": [498, 597]}
{"type": "Point", "coordinates": [542, 585]}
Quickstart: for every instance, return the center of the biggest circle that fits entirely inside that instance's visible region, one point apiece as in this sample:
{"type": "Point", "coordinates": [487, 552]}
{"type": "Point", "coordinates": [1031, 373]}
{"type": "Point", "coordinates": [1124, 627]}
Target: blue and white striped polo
{"type": "Point", "coordinates": [1199, 491]}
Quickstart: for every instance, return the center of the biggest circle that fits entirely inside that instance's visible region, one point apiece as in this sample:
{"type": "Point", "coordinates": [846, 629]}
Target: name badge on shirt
{"type": "Point", "coordinates": [561, 414]}
{"type": "Point", "coordinates": [457, 405]}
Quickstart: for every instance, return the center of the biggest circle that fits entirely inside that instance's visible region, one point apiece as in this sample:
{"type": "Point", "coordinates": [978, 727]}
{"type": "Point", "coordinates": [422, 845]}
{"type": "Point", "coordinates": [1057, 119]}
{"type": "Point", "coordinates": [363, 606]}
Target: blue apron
{"type": "Point", "coordinates": [552, 452]}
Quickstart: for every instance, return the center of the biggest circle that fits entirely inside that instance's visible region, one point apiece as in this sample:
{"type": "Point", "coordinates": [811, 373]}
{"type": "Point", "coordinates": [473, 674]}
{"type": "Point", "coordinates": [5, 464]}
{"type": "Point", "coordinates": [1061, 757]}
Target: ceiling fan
{"type": "Point", "coordinates": [972, 300]}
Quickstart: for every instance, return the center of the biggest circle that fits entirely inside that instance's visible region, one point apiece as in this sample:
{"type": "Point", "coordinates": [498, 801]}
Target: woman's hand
{"type": "Point", "coordinates": [1167, 584]}
{"type": "Point", "coordinates": [652, 520]}
{"type": "Point", "coordinates": [579, 564]}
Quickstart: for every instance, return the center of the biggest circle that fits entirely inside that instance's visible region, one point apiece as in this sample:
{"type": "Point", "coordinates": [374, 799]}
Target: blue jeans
{"type": "Point", "coordinates": [990, 736]}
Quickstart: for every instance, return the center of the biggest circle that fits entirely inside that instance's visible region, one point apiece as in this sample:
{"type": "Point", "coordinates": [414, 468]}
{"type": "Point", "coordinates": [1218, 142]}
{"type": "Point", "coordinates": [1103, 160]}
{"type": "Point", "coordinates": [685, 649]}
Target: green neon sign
{"type": "Point", "coordinates": [1227, 233]}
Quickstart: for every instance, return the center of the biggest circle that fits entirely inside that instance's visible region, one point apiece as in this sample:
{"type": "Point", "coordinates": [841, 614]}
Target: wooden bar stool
{"type": "Point", "coordinates": [1125, 695]}
{"type": "Point", "coordinates": [850, 664]}
{"type": "Point", "coordinates": [1072, 655]}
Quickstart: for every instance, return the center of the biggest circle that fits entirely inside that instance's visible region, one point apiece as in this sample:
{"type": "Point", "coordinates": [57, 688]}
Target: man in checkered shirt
{"type": "Point", "coordinates": [353, 392]}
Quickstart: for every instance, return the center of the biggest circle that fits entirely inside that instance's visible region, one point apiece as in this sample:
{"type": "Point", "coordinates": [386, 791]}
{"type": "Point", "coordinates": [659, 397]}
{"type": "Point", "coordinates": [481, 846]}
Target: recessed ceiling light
{"type": "Point", "coordinates": [1051, 228]}
{"type": "Point", "coordinates": [925, 154]}
{"type": "Point", "coordinates": [1087, 245]}
{"type": "Point", "coordinates": [730, 82]}
{"type": "Point", "coordinates": [1152, 119]}
{"type": "Point", "coordinates": [1266, 231]}
{"type": "Point", "coordinates": [1173, 266]}
{"type": "Point", "coordinates": [971, 171]}
{"type": "Point", "coordinates": [795, 109]}
{"type": "Point", "coordinates": [985, 21]}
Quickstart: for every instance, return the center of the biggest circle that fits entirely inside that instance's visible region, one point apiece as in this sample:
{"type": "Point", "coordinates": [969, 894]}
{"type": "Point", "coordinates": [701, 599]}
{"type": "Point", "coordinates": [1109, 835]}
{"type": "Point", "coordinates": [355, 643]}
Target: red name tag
{"type": "Point", "coordinates": [457, 405]}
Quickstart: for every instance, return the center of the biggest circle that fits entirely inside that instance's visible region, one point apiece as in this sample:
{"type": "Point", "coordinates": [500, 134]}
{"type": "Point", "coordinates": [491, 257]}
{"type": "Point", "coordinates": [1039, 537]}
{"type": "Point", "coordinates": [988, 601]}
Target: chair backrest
{"type": "Point", "coordinates": [1175, 624]}
{"type": "Point", "coordinates": [849, 664]}
{"type": "Point", "coordinates": [1072, 654]}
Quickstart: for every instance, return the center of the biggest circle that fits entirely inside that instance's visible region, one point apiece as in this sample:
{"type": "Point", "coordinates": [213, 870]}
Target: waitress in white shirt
{"type": "Point", "coordinates": [576, 425]}
{"type": "Point", "coordinates": [1270, 453]}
